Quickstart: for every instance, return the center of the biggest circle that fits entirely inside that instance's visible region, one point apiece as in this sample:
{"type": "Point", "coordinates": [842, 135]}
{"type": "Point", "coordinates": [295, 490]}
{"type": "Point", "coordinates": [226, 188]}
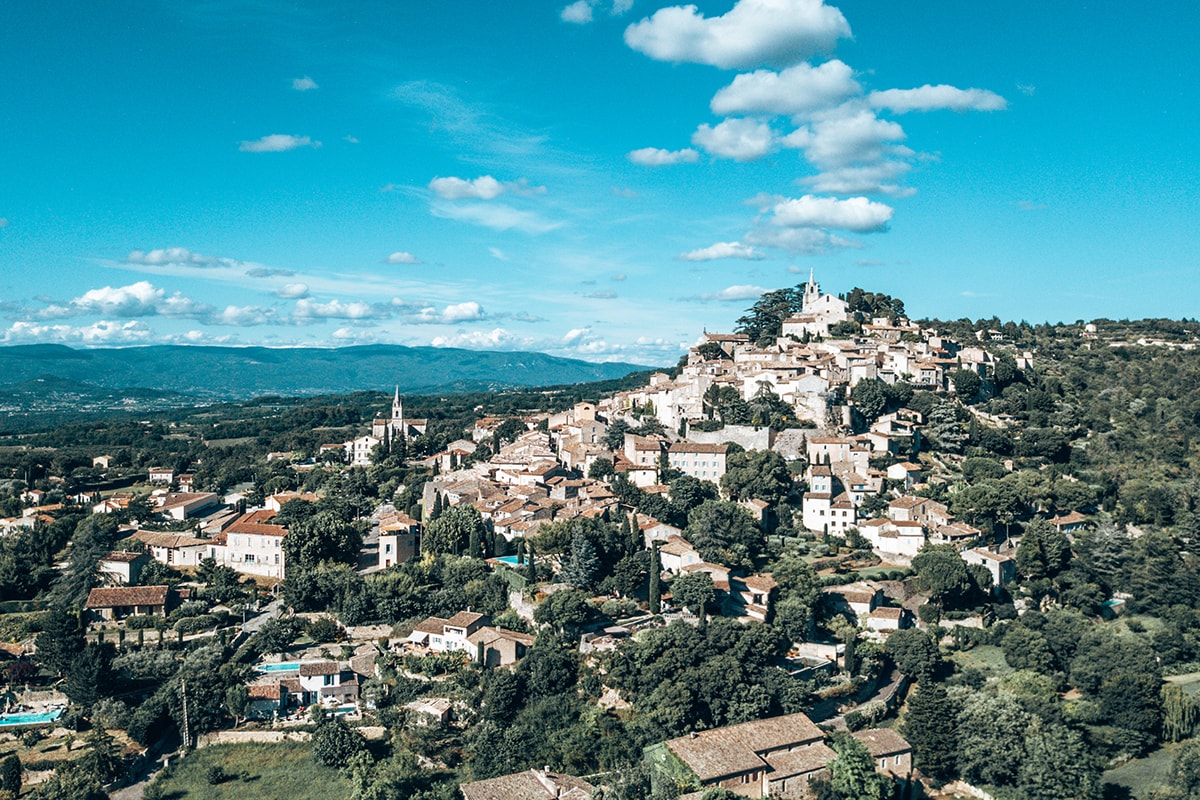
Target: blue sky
{"type": "Point", "coordinates": [600, 179]}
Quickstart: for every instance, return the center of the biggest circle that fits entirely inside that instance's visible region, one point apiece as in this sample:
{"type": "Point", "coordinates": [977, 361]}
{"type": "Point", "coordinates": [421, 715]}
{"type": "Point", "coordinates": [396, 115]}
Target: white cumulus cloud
{"type": "Point", "coordinates": [934, 98]}
{"type": "Point", "coordinates": [495, 339]}
{"type": "Point", "coordinates": [796, 90]}
{"type": "Point", "coordinates": [722, 250]}
{"type": "Point", "coordinates": [853, 214]}
{"type": "Point", "coordinates": [304, 84]}
{"type": "Point", "coordinates": [482, 188]}
{"type": "Point", "coordinates": [753, 33]}
{"type": "Point", "coordinates": [172, 255]}
{"type": "Point", "coordinates": [307, 309]}
{"type": "Point", "coordinates": [402, 257]}
{"type": "Point", "coordinates": [277, 143]}
{"type": "Point", "coordinates": [657, 157]}
{"type": "Point", "coordinates": [578, 13]}
{"type": "Point", "coordinates": [292, 291]}
{"type": "Point", "coordinates": [737, 138]}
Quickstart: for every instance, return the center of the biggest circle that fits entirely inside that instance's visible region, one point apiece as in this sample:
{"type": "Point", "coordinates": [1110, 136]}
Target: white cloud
{"type": "Point", "coordinates": [881, 177]}
{"type": "Point", "coordinates": [853, 214]}
{"type": "Point", "coordinates": [620, 276]}
{"type": "Point", "coordinates": [101, 332]}
{"type": "Point", "coordinates": [277, 143]}
{"type": "Point", "coordinates": [578, 13]}
{"type": "Point", "coordinates": [242, 316]}
{"type": "Point", "coordinates": [179, 256]}
{"type": "Point", "coordinates": [350, 139]}
{"type": "Point", "coordinates": [497, 217]}
{"type": "Point", "coordinates": [497, 254]}
{"type": "Point", "coordinates": [807, 241]}
{"type": "Point", "coordinates": [141, 299]}
{"type": "Point", "coordinates": [601, 295]}
{"type": "Point", "coordinates": [657, 157]}
{"type": "Point", "coordinates": [722, 250]}
{"type": "Point", "coordinates": [753, 33]}
{"type": "Point", "coordinates": [796, 90]}
{"type": "Point", "coordinates": [269, 272]}
{"type": "Point", "coordinates": [575, 335]}
{"type": "Point", "coordinates": [482, 188]}
{"type": "Point", "coordinates": [933, 98]}
{"type": "Point", "coordinates": [402, 257]}
{"type": "Point", "coordinates": [459, 312]}
{"type": "Point", "coordinates": [738, 138]}
{"type": "Point", "coordinates": [304, 84]}
{"type": "Point", "coordinates": [495, 339]}
{"type": "Point", "coordinates": [846, 135]}
{"type": "Point", "coordinates": [3, 222]}
{"type": "Point", "coordinates": [292, 291]}
{"type": "Point", "coordinates": [307, 309]}
{"type": "Point", "coordinates": [738, 292]}
{"type": "Point", "coordinates": [620, 7]}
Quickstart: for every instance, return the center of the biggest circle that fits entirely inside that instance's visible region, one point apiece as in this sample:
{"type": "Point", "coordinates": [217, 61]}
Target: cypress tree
{"type": "Point", "coordinates": [655, 589]}
{"type": "Point", "coordinates": [520, 552]}
{"type": "Point", "coordinates": [474, 543]}
{"type": "Point", "coordinates": [530, 566]}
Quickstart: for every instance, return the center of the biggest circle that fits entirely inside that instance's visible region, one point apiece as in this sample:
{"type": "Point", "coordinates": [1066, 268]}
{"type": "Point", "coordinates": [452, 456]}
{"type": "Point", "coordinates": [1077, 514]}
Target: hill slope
{"type": "Point", "coordinates": [232, 373]}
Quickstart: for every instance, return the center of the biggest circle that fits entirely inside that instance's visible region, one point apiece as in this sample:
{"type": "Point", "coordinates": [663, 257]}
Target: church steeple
{"type": "Point", "coordinates": [812, 292]}
{"type": "Point", "coordinates": [397, 411]}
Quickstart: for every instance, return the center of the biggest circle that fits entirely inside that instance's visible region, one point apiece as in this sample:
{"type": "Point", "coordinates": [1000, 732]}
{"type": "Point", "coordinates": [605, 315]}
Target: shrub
{"type": "Point", "coordinates": [325, 629]}
{"type": "Point", "coordinates": [216, 775]}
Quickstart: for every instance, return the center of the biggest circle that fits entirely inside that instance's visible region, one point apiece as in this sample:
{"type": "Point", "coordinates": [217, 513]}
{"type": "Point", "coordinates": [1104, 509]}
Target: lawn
{"type": "Point", "coordinates": [1143, 775]}
{"type": "Point", "coordinates": [987, 658]}
{"type": "Point", "coordinates": [269, 772]}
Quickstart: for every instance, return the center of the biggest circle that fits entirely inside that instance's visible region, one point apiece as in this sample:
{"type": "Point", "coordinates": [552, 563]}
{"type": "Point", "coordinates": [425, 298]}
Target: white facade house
{"type": "Point", "coordinates": [251, 545]}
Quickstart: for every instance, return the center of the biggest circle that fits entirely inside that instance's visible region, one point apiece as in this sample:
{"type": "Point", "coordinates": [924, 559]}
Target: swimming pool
{"type": "Point", "coordinates": [286, 666]}
{"type": "Point", "coordinates": [510, 560]}
{"type": "Point", "coordinates": [30, 718]}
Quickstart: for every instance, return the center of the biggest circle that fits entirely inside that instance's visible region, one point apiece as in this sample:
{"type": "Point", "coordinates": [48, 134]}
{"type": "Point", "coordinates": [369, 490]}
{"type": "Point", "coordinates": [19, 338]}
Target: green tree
{"type": "Point", "coordinates": [334, 744]}
{"type": "Point", "coordinates": [1180, 713]}
{"type": "Point", "coordinates": [655, 590]}
{"type": "Point", "coordinates": [1185, 771]}
{"type": "Point", "coordinates": [966, 384]}
{"type": "Point", "coordinates": [323, 537]}
{"type": "Point", "coordinates": [757, 475]}
{"type": "Point", "coordinates": [942, 572]}
{"type": "Point", "coordinates": [1058, 765]}
{"type": "Point", "coordinates": [10, 774]}
{"type": "Point", "coordinates": [914, 652]}
{"type": "Point", "coordinates": [1043, 551]}
{"type": "Point", "coordinates": [852, 773]}
{"type": "Point", "coordinates": [90, 673]}
{"type": "Point", "coordinates": [451, 532]}
{"type": "Point", "coordinates": [929, 725]}
{"type": "Point", "coordinates": [991, 738]}
{"type": "Point", "coordinates": [60, 641]}
{"type": "Point", "coordinates": [565, 608]}
{"type": "Point", "coordinates": [763, 322]}
{"type": "Point", "coordinates": [870, 396]}
{"type": "Point", "coordinates": [694, 591]}
{"type": "Point", "coordinates": [583, 565]}
{"type": "Point", "coordinates": [724, 533]}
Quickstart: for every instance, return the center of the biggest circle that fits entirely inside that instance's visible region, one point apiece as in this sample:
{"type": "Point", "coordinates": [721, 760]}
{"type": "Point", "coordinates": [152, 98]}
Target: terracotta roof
{"type": "Point", "coordinates": [887, 613]}
{"type": "Point", "coordinates": [698, 447]}
{"type": "Point", "coordinates": [531, 785]}
{"type": "Point", "coordinates": [319, 668]}
{"type": "Point", "coordinates": [124, 558]}
{"type": "Point", "coordinates": [117, 596]}
{"type": "Point", "coordinates": [882, 741]}
{"type": "Point", "coordinates": [733, 750]}
{"type": "Point", "coordinates": [170, 540]}
{"type": "Point", "coordinates": [256, 523]}
{"type": "Point", "coordinates": [676, 546]}
{"type": "Point", "coordinates": [263, 691]}
{"type": "Point", "coordinates": [464, 619]}
{"type": "Point", "coordinates": [800, 762]}
{"type": "Point", "coordinates": [431, 625]}
{"type": "Point", "coordinates": [907, 501]}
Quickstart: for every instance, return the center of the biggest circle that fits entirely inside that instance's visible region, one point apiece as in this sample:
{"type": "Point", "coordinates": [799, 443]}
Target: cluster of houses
{"type": "Point", "coordinates": [773, 757]}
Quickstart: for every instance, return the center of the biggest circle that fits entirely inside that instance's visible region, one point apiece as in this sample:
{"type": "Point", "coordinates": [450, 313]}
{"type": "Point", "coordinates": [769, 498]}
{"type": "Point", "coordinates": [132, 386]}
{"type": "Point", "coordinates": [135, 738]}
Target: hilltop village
{"type": "Point", "coordinates": [834, 554]}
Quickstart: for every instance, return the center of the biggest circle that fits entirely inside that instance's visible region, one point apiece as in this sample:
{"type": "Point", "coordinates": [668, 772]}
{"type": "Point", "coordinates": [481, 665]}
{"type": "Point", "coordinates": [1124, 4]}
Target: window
{"type": "Point", "coordinates": [277, 558]}
{"type": "Point", "coordinates": [329, 682]}
{"type": "Point", "coordinates": [896, 760]}
{"type": "Point", "coordinates": [883, 763]}
{"type": "Point", "coordinates": [249, 558]}
{"type": "Point", "coordinates": [387, 548]}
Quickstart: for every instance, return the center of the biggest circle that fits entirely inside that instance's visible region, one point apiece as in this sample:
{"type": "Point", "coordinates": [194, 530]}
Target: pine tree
{"type": "Point", "coordinates": [929, 727]}
{"type": "Point", "coordinates": [10, 774]}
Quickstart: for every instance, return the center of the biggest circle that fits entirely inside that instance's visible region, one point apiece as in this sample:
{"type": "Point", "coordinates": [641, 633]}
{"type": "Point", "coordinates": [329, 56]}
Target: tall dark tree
{"type": "Point", "coordinates": [763, 321]}
{"type": "Point", "coordinates": [929, 725]}
{"type": "Point", "coordinates": [60, 641]}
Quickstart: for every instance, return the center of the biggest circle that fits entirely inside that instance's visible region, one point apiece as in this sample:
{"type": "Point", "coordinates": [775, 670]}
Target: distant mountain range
{"type": "Point", "coordinates": [237, 373]}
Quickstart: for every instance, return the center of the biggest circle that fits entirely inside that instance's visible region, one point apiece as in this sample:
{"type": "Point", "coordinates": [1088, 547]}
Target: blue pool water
{"type": "Point", "coordinates": [30, 718]}
{"type": "Point", "coordinates": [286, 666]}
{"type": "Point", "coordinates": [512, 560]}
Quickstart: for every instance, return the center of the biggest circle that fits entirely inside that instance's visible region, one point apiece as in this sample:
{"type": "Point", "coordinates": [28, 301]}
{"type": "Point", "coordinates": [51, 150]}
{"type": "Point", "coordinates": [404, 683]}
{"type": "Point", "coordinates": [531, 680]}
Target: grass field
{"type": "Point", "coordinates": [1143, 775]}
{"type": "Point", "coordinates": [987, 658]}
{"type": "Point", "coordinates": [270, 772]}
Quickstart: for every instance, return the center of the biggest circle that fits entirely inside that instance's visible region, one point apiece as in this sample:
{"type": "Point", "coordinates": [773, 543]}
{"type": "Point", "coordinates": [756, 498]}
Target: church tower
{"type": "Point", "coordinates": [398, 413]}
{"type": "Point", "coordinates": [812, 293]}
